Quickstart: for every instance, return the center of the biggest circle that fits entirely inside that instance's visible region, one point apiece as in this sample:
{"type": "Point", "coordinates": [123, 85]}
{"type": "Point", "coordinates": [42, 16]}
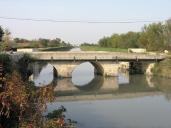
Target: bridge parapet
{"type": "Point", "coordinates": [89, 56]}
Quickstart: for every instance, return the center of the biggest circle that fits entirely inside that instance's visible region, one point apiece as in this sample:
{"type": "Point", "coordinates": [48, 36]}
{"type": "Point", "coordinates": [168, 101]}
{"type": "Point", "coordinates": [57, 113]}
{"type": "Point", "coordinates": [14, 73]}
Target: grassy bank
{"type": "Point", "coordinates": [98, 48]}
{"type": "Point", "coordinates": [55, 49]}
{"type": "Point", "coordinates": [163, 68]}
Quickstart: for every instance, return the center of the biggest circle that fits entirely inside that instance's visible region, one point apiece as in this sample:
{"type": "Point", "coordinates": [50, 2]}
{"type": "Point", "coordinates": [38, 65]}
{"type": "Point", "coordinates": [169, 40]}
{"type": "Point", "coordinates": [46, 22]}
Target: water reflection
{"type": "Point", "coordinates": [85, 82]}
{"type": "Point", "coordinates": [46, 72]}
{"type": "Point", "coordinates": [123, 77]}
{"type": "Point", "coordinates": [101, 87]}
{"type": "Point", "coordinates": [144, 102]}
{"type": "Point", "coordinates": [83, 74]}
{"type": "Point", "coordinates": [164, 85]}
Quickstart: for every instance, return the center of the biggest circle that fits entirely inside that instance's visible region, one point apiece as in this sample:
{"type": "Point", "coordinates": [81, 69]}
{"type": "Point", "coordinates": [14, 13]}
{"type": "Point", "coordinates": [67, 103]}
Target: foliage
{"type": "Point", "coordinates": [7, 43]}
{"type": "Point", "coordinates": [23, 65]}
{"type": "Point", "coordinates": [88, 44]}
{"type": "Point", "coordinates": [167, 33]}
{"type": "Point", "coordinates": [120, 41]}
{"type": "Point", "coordinates": [6, 62]}
{"type": "Point", "coordinates": [13, 100]}
{"type": "Point", "coordinates": [98, 48]}
{"type": "Point", "coordinates": [56, 113]}
{"type": "Point", "coordinates": [163, 68]}
{"type": "Point", "coordinates": [153, 37]}
{"type": "Point", "coordinates": [22, 105]}
{"type": "Point", "coordinates": [1, 33]}
{"type": "Point", "coordinates": [40, 43]}
{"type": "Point", "coordinates": [57, 119]}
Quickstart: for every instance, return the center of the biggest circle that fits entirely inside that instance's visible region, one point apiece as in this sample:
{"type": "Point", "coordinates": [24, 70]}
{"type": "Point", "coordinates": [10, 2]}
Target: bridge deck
{"type": "Point", "coordinates": [89, 56]}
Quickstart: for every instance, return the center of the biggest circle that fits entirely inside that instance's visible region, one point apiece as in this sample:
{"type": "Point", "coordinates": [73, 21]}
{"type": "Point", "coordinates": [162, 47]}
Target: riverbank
{"type": "Point", "coordinates": [163, 68]}
{"type": "Point", "coordinates": [98, 48]}
{"type": "Point", "coordinates": [55, 49]}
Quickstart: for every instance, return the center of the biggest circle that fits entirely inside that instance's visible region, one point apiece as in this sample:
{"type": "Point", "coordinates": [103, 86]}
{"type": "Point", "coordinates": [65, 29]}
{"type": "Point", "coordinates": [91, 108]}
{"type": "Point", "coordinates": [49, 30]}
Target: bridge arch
{"type": "Point", "coordinates": [85, 72]}
{"type": "Point", "coordinates": [43, 74]}
{"type": "Point", "coordinates": [98, 69]}
{"type": "Point", "coordinates": [65, 68]}
{"type": "Point", "coordinates": [55, 72]}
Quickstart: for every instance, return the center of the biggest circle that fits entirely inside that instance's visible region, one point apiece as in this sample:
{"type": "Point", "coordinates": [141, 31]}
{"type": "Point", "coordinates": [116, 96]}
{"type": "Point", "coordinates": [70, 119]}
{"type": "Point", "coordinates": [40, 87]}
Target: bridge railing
{"type": "Point", "coordinates": [94, 56]}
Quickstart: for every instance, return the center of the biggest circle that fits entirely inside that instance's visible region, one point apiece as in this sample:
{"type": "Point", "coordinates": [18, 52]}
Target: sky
{"type": "Point", "coordinates": [82, 10]}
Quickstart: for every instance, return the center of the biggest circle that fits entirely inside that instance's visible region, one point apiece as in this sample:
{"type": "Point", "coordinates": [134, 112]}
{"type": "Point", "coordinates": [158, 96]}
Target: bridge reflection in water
{"type": "Point", "coordinates": [105, 88]}
{"type": "Point", "coordinates": [99, 88]}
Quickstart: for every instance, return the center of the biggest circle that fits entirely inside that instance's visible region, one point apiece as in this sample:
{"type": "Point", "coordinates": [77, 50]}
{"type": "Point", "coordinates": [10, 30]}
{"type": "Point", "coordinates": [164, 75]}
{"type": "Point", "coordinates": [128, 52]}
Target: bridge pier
{"type": "Point", "coordinates": [110, 68]}
{"type": "Point", "coordinates": [110, 84]}
{"type": "Point", "coordinates": [148, 68]}
{"type": "Point", "coordinates": [65, 69]}
{"type": "Point", "coordinates": [141, 67]}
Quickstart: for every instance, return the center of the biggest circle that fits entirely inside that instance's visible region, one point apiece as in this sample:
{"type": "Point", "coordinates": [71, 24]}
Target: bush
{"type": "Point", "coordinates": [6, 62]}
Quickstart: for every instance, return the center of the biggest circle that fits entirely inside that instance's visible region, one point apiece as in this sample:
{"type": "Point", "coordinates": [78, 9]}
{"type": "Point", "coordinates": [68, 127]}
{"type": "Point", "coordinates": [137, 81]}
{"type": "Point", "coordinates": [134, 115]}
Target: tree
{"type": "Point", "coordinates": [167, 34]}
{"type": "Point", "coordinates": [103, 42]}
{"type": "Point", "coordinates": [54, 43]}
{"type": "Point", "coordinates": [43, 42]}
{"type": "Point", "coordinates": [1, 33]}
{"type": "Point", "coordinates": [152, 37]}
{"type": "Point", "coordinates": [127, 40]}
{"type": "Point", "coordinates": [116, 39]}
{"type": "Point", "coordinates": [7, 43]}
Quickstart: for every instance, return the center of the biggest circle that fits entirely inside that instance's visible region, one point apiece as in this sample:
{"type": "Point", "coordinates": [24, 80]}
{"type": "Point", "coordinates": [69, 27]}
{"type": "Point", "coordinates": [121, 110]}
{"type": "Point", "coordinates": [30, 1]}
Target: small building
{"type": "Point", "coordinates": [26, 50]}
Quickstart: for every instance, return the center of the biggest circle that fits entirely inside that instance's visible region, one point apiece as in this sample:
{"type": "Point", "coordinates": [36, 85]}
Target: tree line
{"type": "Point", "coordinates": [41, 43]}
{"type": "Point", "coordinates": [154, 37]}
{"type": "Point", "coordinates": [6, 42]}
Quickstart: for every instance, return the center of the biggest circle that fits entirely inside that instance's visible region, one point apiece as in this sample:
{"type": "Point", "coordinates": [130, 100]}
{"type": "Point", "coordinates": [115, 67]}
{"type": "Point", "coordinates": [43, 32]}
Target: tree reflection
{"type": "Point", "coordinates": [163, 84]}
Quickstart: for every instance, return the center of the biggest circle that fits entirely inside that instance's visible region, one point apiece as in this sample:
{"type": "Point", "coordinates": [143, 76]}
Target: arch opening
{"type": "Point", "coordinates": [86, 72]}
{"type": "Point", "coordinates": [43, 75]}
{"type": "Point", "coordinates": [98, 69]}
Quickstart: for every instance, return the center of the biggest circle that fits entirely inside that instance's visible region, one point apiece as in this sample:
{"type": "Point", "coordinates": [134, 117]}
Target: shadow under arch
{"type": "Point", "coordinates": [93, 85]}
{"type": "Point", "coordinates": [55, 72]}
{"type": "Point", "coordinates": [98, 69]}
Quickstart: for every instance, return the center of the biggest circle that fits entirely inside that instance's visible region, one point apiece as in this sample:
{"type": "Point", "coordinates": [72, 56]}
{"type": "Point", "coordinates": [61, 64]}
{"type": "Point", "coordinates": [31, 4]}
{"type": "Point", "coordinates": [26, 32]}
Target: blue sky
{"type": "Point", "coordinates": [89, 10]}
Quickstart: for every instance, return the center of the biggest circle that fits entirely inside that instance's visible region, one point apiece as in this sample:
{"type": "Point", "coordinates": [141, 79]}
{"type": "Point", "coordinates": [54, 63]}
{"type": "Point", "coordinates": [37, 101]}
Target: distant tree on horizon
{"type": "Point", "coordinates": [153, 37]}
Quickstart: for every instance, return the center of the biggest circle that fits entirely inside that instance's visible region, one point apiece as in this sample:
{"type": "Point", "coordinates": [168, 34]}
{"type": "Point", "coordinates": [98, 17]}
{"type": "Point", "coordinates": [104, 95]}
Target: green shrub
{"type": "Point", "coordinates": [6, 62]}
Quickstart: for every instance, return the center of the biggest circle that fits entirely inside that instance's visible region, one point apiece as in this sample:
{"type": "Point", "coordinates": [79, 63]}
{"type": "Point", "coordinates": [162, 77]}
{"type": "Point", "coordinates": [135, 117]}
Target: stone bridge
{"type": "Point", "coordinates": [105, 63]}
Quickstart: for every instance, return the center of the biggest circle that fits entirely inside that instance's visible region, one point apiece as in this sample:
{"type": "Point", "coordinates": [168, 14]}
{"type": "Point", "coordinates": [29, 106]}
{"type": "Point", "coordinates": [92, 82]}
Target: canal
{"type": "Point", "coordinates": [127, 101]}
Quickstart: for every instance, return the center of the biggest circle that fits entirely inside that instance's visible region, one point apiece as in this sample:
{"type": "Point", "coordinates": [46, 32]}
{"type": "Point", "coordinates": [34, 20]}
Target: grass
{"type": "Point", "coordinates": [163, 68]}
{"type": "Point", "coordinates": [98, 48]}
